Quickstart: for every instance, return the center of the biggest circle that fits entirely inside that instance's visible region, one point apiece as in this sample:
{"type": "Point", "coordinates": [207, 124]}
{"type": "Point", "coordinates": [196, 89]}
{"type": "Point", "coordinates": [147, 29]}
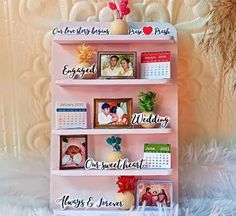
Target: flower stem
{"type": "Point", "coordinates": [117, 10]}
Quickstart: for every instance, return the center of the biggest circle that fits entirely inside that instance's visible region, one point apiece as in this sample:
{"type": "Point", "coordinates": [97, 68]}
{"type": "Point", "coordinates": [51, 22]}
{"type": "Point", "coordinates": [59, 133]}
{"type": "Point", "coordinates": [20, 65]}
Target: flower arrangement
{"type": "Point", "coordinates": [126, 183]}
{"type": "Point", "coordinates": [85, 53]}
{"type": "Point", "coordinates": [147, 101]}
{"type": "Point", "coordinates": [114, 142]}
{"type": "Point", "coordinates": [121, 8]}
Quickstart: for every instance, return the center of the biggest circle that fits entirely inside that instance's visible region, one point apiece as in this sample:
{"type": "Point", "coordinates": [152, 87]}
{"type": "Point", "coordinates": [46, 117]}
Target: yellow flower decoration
{"type": "Point", "coordinates": [85, 53]}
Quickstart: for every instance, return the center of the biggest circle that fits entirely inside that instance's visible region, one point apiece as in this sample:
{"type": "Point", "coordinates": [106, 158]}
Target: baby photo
{"type": "Point", "coordinates": [112, 113]}
{"type": "Point", "coordinates": [73, 151]}
{"type": "Point", "coordinates": [117, 65]}
{"type": "Point", "coordinates": [154, 193]}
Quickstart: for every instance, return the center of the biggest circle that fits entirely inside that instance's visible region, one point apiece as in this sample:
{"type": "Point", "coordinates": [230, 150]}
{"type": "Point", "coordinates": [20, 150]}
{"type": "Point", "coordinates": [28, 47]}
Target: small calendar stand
{"type": "Point", "coordinates": [100, 183]}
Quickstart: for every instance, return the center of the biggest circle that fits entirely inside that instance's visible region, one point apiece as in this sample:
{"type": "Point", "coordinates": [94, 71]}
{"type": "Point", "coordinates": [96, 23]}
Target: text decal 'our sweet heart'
{"type": "Point", "coordinates": [120, 164]}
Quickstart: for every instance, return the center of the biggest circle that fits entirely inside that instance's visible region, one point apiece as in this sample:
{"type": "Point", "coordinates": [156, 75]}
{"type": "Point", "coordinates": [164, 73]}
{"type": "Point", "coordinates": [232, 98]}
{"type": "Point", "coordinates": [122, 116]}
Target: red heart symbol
{"type": "Point", "coordinates": [147, 30]}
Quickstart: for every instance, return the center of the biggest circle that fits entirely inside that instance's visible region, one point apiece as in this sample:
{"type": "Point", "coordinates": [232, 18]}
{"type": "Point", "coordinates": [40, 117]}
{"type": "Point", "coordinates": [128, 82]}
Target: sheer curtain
{"type": "Point", "coordinates": [206, 103]}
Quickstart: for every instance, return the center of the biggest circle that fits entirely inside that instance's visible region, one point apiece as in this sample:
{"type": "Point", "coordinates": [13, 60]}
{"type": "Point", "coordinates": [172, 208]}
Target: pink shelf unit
{"type": "Point", "coordinates": [86, 183]}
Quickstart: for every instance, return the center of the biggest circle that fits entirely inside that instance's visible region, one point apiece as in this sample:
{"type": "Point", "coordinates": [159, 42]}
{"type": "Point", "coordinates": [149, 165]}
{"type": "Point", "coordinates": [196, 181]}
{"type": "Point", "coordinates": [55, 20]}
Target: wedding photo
{"type": "Point", "coordinates": [112, 113]}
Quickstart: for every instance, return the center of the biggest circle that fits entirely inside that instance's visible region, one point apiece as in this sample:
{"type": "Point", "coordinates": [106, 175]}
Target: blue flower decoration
{"type": "Point", "coordinates": [114, 142]}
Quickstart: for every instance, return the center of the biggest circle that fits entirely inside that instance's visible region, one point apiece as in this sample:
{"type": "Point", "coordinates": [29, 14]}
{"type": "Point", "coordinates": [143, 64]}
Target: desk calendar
{"type": "Point", "coordinates": [71, 115]}
{"type": "Point", "coordinates": [155, 65]}
{"type": "Point", "coordinates": [157, 155]}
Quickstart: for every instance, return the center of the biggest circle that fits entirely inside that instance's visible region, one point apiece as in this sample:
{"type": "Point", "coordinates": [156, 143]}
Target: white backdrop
{"type": "Point", "coordinates": [206, 100]}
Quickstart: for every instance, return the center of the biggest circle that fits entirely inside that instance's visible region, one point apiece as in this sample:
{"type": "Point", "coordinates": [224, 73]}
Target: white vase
{"type": "Point", "coordinates": [148, 125]}
{"type": "Point", "coordinates": [119, 27]}
{"type": "Point", "coordinates": [127, 198]}
{"type": "Point", "coordinates": [114, 156]}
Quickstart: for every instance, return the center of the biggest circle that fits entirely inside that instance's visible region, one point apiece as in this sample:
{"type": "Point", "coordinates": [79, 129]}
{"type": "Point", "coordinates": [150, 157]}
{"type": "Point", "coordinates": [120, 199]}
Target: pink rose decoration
{"type": "Point", "coordinates": [112, 6]}
{"type": "Point", "coordinates": [127, 11]}
{"type": "Point", "coordinates": [123, 9]}
{"type": "Point", "coordinates": [125, 3]}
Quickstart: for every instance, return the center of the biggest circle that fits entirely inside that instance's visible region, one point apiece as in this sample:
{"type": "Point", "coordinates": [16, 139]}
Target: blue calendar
{"type": "Point", "coordinates": [71, 115]}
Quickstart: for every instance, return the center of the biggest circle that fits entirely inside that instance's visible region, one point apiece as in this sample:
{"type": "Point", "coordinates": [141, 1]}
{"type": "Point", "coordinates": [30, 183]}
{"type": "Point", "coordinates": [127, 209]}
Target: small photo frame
{"type": "Point", "coordinates": [112, 113]}
{"type": "Point", "coordinates": [154, 194]}
{"type": "Point", "coordinates": [73, 151]}
{"type": "Point", "coordinates": [117, 65]}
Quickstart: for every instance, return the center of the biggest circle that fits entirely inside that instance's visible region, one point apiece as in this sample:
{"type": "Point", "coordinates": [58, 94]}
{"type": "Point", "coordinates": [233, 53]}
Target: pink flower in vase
{"type": "Point", "coordinates": [121, 9]}
{"type": "Point", "coordinates": [127, 11]}
{"type": "Point", "coordinates": [112, 6]}
{"type": "Point", "coordinates": [122, 6]}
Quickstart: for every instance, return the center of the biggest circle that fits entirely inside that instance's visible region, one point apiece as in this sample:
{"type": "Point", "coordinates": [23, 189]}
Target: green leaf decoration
{"type": "Point", "coordinates": [147, 101]}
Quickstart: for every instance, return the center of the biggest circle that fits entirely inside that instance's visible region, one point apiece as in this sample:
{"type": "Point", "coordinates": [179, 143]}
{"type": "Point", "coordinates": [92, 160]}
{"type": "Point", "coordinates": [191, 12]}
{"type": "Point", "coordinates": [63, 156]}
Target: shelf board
{"type": "Point", "coordinates": [112, 131]}
{"type": "Point", "coordinates": [74, 39]}
{"type": "Point", "coordinates": [103, 212]}
{"type": "Point", "coordinates": [143, 172]}
{"type": "Point", "coordinates": [99, 82]}
{"type": "Point", "coordinates": [88, 212]}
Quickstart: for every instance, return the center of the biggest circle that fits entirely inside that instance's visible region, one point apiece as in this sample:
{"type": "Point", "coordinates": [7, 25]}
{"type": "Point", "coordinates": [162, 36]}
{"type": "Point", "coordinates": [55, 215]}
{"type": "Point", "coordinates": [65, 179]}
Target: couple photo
{"type": "Point", "coordinates": [117, 65]}
{"type": "Point", "coordinates": [113, 113]}
{"type": "Point", "coordinates": [154, 198]}
{"type": "Point", "coordinates": [153, 194]}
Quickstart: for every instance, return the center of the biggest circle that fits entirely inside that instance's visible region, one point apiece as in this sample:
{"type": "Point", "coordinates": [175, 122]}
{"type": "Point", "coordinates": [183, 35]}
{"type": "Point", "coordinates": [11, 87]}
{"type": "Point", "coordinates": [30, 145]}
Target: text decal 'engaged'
{"type": "Point", "coordinates": [79, 72]}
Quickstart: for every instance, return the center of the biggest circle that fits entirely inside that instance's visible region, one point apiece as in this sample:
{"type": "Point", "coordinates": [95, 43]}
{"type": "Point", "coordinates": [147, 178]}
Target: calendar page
{"type": "Point", "coordinates": [155, 65]}
{"type": "Point", "coordinates": [71, 115]}
{"type": "Point", "coordinates": [157, 155]}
